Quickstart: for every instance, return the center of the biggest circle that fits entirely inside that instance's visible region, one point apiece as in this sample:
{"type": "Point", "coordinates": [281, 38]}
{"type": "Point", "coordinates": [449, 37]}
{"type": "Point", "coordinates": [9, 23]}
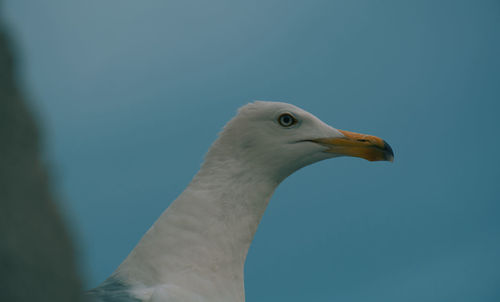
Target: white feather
{"type": "Point", "coordinates": [196, 250]}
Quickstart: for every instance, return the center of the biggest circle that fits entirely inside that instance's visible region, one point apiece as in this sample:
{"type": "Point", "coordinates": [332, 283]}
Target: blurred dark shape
{"type": "Point", "coordinates": [37, 261]}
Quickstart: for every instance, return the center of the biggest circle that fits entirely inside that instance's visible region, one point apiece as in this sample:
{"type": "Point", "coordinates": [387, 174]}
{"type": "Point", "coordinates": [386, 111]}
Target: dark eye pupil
{"type": "Point", "coordinates": [286, 120]}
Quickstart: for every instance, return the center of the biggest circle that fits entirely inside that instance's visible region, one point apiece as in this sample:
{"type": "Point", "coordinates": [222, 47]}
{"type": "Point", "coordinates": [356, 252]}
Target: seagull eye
{"type": "Point", "coordinates": [286, 120]}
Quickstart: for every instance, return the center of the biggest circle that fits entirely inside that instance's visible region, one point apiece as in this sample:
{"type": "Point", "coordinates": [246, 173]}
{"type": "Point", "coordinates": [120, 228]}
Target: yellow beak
{"type": "Point", "coordinates": [365, 146]}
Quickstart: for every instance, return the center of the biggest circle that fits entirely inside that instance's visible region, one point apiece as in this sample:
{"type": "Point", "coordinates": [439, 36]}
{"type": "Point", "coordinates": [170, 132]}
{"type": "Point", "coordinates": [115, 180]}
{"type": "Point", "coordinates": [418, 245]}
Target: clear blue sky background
{"type": "Point", "coordinates": [132, 93]}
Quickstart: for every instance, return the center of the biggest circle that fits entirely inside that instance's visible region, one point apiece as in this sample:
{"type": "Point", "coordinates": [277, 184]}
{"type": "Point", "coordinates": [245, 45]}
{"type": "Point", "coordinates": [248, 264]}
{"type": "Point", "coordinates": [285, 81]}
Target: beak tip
{"type": "Point", "coordinates": [389, 154]}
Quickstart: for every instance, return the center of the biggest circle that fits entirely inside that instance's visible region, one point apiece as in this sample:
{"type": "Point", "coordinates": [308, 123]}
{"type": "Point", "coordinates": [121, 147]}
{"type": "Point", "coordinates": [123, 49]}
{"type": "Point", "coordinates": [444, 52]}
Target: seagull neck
{"type": "Point", "coordinates": [235, 197]}
{"type": "Point", "coordinates": [205, 234]}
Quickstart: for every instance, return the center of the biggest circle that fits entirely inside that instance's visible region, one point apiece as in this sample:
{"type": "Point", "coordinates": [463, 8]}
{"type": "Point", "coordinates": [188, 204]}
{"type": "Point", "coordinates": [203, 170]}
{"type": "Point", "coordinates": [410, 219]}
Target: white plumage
{"type": "Point", "coordinates": [196, 250]}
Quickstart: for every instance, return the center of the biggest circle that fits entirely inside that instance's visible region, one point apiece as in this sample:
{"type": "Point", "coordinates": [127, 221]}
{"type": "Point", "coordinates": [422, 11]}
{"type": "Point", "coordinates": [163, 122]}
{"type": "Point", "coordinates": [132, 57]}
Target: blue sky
{"type": "Point", "coordinates": [132, 93]}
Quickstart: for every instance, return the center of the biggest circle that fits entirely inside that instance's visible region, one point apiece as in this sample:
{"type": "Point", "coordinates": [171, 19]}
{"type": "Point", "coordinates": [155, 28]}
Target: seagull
{"type": "Point", "coordinates": [196, 250]}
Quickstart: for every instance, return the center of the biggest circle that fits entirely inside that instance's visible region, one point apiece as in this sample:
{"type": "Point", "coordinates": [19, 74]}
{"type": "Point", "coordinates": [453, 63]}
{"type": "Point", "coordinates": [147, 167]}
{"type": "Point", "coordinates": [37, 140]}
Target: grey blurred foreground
{"type": "Point", "coordinates": [36, 255]}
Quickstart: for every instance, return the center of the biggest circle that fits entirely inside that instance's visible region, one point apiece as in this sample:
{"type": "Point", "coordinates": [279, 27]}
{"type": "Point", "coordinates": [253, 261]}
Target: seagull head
{"type": "Point", "coordinates": [279, 138]}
